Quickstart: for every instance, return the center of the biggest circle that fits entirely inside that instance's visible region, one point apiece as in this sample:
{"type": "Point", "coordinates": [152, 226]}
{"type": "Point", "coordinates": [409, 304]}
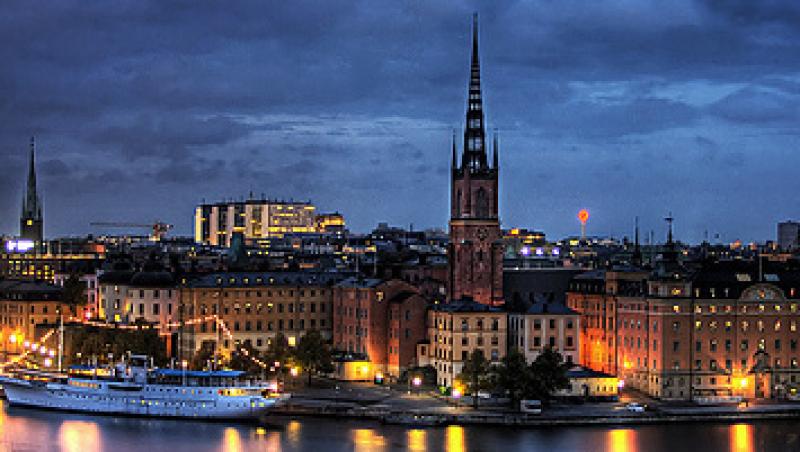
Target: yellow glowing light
{"type": "Point", "coordinates": [455, 439]}
{"type": "Point", "coordinates": [583, 216]}
{"type": "Point", "coordinates": [12, 338]}
{"type": "Point", "coordinates": [294, 371]}
{"type": "Point", "coordinates": [416, 381]}
{"type": "Point", "coordinates": [79, 436]}
{"type": "Point", "coordinates": [417, 441]}
{"type": "Point", "coordinates": [741, 438]}
{"type": "Point", "coordinates": [232, 440]}
{"type": "Point", "coordinates": [48, 362]}
{"type": "Point", "coordinates": [622, 440]}
{"type": "Point", "coordinates": [743, 382]}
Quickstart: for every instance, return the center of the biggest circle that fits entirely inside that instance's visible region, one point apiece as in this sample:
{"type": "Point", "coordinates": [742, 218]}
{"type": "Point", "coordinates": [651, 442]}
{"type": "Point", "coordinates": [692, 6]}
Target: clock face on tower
{"type": "Point", "coordinates": [482, 234]}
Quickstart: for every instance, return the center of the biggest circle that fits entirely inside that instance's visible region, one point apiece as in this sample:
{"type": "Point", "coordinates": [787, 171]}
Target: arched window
{"type": "Point", "coordinates": [481, 204]}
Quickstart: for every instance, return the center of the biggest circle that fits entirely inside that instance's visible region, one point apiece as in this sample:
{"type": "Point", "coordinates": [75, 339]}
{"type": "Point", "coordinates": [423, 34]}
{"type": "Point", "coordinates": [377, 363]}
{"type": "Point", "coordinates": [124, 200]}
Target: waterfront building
{"type": "Point", "coordinates": [148, 296]}
{"type": "Point", "coordinates": [31, 223]}
{"type": "Point", "coordinates": [590, 384]}
{"type": "Point", "coordinates": [457, 329]}
{"type": "Point", "coordinates": [256, 219]}
{"type": "Point", "coordinates": [23, 306]}
{"type": "Point", "coordinates": [725, 329]}
{"type": "Point", "coordinates": [384, 320]}
{"type": "Point", "coordinates": [545, 325]}
{"type": "Point", "coordinates": [253, 307]}
{"type": "Point", "coordinates": [475, 252]}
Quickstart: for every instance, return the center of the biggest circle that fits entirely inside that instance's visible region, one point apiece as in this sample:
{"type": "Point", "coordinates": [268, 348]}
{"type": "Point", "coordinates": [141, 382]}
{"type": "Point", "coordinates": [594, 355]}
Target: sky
{"type": "Point", "coordinates": [143, 109]}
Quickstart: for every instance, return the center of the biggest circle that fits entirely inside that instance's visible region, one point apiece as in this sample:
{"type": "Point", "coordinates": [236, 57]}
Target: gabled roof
{"type": "Point", "coordinates": [465, 305]}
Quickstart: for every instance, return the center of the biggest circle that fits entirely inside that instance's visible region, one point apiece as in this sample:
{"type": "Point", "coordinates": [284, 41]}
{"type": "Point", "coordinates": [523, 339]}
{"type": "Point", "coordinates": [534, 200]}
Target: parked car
{"type": "Point", "coordinates": [634, 407]}
{"type": "Point", "coordinates": [530, 406]}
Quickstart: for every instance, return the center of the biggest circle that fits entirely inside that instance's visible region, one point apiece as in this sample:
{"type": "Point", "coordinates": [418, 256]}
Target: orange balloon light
{"type": "Point", "coordinates": [583, 216]}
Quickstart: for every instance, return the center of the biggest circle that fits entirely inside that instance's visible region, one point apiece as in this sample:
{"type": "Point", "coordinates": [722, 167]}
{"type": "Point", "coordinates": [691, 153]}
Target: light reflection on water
{"type": "Point", "coordinates": [417, 440]}
{"type": "Point", "coordinates": [622, 440]}
{"type": "Point", "coordinates": [741, 438]}
{"type": "Point", "coordinates": [79, 436]}
{"type": "Point", "coordinates": [32, 430]}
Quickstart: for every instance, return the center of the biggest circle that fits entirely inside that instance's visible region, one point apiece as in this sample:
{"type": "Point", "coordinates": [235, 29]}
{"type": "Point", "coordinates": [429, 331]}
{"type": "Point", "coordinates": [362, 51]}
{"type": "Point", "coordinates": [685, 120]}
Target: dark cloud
{"type": "Point", "coordinates": [144, 108]}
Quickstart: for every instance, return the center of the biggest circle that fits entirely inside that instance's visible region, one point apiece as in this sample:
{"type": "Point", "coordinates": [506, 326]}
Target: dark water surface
{"type": "Point", "coordinates": [32, 430]}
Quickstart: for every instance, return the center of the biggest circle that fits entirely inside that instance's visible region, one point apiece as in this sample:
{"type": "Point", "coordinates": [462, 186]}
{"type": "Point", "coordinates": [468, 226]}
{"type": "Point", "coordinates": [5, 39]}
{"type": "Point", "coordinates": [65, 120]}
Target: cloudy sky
{"type": "Point", "coordinates": [631, 107]}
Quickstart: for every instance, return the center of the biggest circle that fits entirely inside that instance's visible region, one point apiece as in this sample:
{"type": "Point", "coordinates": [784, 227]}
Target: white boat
{"type": "Point", "coordinates": [135, 390]}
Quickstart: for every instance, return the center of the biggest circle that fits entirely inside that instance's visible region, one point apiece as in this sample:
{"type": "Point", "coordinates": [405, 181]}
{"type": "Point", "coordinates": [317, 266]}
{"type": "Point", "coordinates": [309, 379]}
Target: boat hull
{"type": "Point", "coordinates": [151, 401]}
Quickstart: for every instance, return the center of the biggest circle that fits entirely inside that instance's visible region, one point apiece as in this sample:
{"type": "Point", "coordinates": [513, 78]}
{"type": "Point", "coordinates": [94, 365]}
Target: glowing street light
{"type": "Point", "coordinates": [417, 381]}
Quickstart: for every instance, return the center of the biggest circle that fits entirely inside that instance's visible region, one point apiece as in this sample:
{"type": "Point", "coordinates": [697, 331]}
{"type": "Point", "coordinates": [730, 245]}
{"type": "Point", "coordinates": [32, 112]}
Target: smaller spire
{"type": "Point", "coordinates": [669, 219]}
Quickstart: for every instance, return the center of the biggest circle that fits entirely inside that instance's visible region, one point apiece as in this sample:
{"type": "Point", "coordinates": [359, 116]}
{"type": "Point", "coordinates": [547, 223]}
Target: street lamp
{"type": "Point", "coordinates": [184, 364]}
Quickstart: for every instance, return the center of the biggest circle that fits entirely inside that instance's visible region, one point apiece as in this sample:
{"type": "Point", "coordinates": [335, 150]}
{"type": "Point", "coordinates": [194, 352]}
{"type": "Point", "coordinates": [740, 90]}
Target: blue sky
{"type": "Point", "coordinates": [143, 109]}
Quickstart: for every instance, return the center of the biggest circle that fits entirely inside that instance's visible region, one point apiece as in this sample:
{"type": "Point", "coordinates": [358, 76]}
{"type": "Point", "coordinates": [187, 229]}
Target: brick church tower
{"type": "Point", "coordinates": [476, 250]}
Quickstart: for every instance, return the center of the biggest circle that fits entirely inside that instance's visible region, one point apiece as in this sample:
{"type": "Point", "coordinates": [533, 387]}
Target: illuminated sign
{"type": "Point", "coordinates": [19, 246]}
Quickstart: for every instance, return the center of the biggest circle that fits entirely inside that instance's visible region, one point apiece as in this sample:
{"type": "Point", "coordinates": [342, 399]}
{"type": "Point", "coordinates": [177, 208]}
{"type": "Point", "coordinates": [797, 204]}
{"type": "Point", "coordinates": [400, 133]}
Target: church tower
{"type": "Point", "coordinates": [476, 250]}
{"type": "Point", "coordinates": [30, 223]}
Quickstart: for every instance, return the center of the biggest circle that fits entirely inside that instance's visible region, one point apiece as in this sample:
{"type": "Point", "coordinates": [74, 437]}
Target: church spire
{"type": "Point", "coordinates": [474, 157]}
{"type": "Point", "coordinates": [31, 218]}
{"type": "Point", "coordinates": [30, 206]}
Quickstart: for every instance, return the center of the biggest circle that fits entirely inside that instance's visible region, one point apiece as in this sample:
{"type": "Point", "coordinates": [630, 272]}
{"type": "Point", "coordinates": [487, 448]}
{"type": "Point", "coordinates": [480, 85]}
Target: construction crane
{"type": "Point", "coordinates": [158, 228]}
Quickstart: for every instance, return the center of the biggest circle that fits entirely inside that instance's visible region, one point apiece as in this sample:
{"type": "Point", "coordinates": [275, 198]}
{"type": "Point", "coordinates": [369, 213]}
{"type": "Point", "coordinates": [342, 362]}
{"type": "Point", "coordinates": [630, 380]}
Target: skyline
{"type": "Point", "coordinates": [129, 118]}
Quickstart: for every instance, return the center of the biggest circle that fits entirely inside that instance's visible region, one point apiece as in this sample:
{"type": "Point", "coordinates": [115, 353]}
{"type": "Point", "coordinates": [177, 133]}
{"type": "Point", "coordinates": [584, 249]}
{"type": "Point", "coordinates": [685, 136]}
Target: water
{"type": "Point", "coordinates": [23, 430]}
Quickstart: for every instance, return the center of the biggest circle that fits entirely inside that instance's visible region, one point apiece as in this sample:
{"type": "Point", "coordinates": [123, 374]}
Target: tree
{"type": "Point", "coordinates": [72, 293]}
{"type": "Point", "coordinates": [512, 376]}
{"type": "Point", "coordinates": [278, 351]}
{"type": "Point", "coordinates": [547, 374]}
{"type": "Point", "coordinates": [202, 356]}
{"type": "Point", "coordinates": [313, 354]}
{"type": "Point", "coordinates": [475, 375]}
{"type": "Point", "coordinates": [242, 359]}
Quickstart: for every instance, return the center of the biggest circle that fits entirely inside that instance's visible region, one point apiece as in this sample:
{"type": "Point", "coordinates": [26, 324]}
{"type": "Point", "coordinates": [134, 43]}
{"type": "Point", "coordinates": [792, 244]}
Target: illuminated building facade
{"type": "Point", "coordinates": [126, 297]}
{"type": "Point", "coordinates": [255, 307]}
{"type": "Point", "coordinates": [31, 224]}
{"type": "Point", "coordinates": [329, 223]}
{"type": "Point", "coordinates": [25, 304]}
{"type": "Point", "coordinates": [384, 320]}
{"type": "Point", "coordinates": [457, 329]}
{"type": "Point", "coordinates": [215, 224]}
{"type": "Point", "coordinates": [724, 330]}
{"type": "Point", "coordinates": [475, 252]}
{"type": "Point", "coordinates": [545, 325]}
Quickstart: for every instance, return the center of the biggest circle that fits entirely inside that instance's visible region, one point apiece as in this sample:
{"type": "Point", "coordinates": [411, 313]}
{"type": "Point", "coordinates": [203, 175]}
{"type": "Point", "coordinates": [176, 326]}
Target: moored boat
{"type": "Point", "coordinates": [134, 389]}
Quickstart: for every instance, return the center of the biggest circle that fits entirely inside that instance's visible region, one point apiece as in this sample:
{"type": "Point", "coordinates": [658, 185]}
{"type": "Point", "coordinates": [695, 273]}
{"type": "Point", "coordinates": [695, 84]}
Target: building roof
{"type": "Point", "coordinates": [360, 283]}
{"type": "Point", "coordinates": [28, 290]}
{"type": "Point", "coordinates": [256, 279]}
{"type": "Point", "coordinates": [550, 308]}
{"type": "Point", "coordinates": [585, 372]}
{"type": "Point", "coordinates": [465, 305]}
{"type": "Point", "coordinates": [152, 279]}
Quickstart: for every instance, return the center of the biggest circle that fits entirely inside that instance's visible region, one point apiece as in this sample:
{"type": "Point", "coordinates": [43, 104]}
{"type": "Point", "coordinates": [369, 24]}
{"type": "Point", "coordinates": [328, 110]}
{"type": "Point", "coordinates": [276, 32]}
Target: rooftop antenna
{"type": "Point", "coordinates": [669, 219]}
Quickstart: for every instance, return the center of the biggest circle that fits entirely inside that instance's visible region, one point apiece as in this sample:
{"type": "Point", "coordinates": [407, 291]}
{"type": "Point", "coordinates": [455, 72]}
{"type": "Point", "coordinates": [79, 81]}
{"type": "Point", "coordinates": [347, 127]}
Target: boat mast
{"type": "Point", "coordinates": [60, 341]}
